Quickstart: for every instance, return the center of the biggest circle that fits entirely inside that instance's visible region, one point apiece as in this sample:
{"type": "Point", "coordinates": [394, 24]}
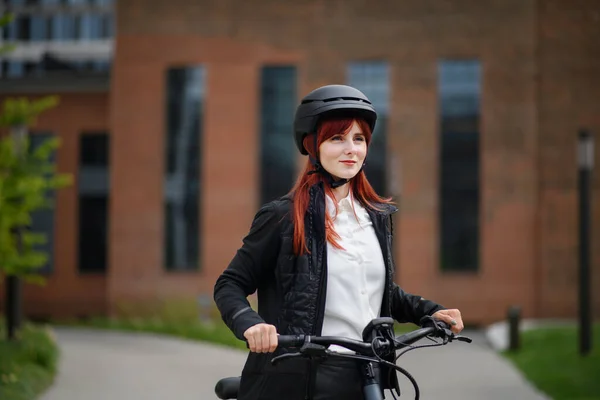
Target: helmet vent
{"type": "Point", "coordinates": [337, 99]}
{"type": "Point", "coordinates": [345, 98]}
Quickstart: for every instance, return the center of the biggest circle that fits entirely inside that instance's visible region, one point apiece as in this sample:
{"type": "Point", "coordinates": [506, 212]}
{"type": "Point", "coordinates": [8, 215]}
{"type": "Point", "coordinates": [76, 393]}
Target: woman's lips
{"type": "Point", "coordinates": [348, 162]}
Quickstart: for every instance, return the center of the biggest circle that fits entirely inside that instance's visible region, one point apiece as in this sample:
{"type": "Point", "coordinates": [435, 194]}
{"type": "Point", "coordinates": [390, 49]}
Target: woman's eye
{"type": "Point", "coordinates": [336, 138]}
{"type": "Point", "coordinates": [360, 138]}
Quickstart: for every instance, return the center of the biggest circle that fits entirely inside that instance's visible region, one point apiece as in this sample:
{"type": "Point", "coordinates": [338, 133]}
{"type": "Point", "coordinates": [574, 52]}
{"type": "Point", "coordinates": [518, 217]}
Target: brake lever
{"type": "Point", "coordinates": [444, 333]}
{"type": "Point", "coordinates": [308, 349]}
{"type": "Point", "coordinates": [463, 338]}
{"type": "Point", "coordinates": [451, 336]}
{"type": "Point", "coordinates": [278, 359]}
{"type": "Point", "coordinates": [313, 350]}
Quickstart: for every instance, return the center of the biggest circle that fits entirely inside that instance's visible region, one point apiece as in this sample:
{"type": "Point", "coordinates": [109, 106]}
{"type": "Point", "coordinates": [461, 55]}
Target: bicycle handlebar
{"type": "Point", "coordinates": [297, 341]}
{"type": "Point", "coordinates": [365, 348]}
{"type": "Point", "coordinates": [383, 343]}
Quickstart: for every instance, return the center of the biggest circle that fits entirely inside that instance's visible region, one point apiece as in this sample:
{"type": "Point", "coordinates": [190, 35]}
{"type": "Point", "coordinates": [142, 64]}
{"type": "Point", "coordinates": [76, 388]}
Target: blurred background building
{"type": "Point", "coordinates": [175, 118]}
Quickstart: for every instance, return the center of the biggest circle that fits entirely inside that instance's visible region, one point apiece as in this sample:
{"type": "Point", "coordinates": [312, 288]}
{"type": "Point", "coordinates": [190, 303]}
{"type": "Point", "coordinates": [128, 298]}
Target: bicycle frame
{"type": "Point", "coordinates": [371, 387]}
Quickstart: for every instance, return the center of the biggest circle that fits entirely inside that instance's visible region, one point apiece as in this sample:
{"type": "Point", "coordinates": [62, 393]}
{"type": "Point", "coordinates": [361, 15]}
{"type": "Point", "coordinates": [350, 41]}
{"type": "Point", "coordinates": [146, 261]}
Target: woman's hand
{"type": "Point", "coordinates": [451, 317]}
{"type": "Point", "coordinates": [262, 338]}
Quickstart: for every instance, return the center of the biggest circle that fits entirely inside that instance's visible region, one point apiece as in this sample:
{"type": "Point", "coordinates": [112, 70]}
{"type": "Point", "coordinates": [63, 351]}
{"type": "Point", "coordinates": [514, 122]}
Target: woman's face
{"type": "Point", "coordinates": [343, 155]}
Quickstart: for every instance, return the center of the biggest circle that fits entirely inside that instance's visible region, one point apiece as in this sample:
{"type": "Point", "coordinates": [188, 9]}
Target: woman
{"type": "Point", "coordinates": [320, 260]}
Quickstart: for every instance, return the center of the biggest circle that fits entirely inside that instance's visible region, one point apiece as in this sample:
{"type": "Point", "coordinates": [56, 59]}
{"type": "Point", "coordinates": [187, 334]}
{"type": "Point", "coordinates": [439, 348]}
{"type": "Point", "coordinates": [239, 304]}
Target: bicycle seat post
{"type": "Point", "coordinates": [371, 388]}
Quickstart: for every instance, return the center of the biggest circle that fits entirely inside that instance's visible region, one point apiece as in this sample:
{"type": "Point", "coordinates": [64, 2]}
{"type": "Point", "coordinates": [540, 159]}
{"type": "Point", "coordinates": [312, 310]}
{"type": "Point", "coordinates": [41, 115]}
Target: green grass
{"type": "Point", "coordinates": [27, 365]}
{"type": "Point", "coordinates": [549, 358]}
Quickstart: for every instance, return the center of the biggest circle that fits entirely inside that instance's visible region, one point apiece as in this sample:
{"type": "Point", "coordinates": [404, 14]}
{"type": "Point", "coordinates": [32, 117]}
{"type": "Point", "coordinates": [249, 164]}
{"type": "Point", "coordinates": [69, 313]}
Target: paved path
{"type": "Point", "coordinates": [102, 365]}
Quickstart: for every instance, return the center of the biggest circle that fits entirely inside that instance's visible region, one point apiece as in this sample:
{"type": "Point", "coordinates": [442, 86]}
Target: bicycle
{"type": "Point", "coordinates": [378, 341]}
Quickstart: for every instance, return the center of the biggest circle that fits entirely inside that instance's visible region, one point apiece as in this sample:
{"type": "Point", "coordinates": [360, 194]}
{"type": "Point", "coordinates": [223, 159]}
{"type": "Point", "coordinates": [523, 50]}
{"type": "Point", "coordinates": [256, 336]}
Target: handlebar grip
{"type": "Point", "coordinates": [428, 321]}
{"type": "Point", "coordinates": [443, 324]}
{"type": "Point", "coordinates": [288, 341]}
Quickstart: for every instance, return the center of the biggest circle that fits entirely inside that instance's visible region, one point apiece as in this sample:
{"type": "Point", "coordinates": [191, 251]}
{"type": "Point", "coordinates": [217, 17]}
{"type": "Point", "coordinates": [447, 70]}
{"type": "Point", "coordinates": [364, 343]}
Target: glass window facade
{"type": "Point", "coordinates": [459, 89]}
{"type": "Point", "coordinates": [69, 23]}
{"type": "Point", "coordinates": [182, 185]}
{"type": "Point", "coordinates": [277, 148]}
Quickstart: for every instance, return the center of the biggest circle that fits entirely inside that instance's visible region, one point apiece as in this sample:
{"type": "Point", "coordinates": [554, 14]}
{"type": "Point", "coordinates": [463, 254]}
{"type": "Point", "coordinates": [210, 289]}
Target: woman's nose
{"type": "Point", "coordinates": [351, 148]}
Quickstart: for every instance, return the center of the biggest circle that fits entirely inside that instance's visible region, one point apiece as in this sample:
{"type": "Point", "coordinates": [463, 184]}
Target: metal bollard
{"type": "Point", "coordinates": [585, 192]}
{"type": "Point", "coordinates": [514, 320]}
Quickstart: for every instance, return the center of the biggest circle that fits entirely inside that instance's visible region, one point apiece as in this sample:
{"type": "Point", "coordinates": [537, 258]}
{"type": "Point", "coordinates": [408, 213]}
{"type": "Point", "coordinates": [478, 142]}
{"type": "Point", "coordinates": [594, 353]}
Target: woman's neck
{"type": "Point", "coordinates": [341, 192]}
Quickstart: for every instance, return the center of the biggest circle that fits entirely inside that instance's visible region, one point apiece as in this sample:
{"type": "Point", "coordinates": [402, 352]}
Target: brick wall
{"type": "Point", "coordinates": [568, 95]}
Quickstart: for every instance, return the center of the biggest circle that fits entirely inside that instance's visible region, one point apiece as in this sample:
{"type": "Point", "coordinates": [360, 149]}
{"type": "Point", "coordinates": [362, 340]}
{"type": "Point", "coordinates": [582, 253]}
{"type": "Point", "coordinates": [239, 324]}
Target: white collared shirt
{"type": "Point", "coordinates": [355, 275]}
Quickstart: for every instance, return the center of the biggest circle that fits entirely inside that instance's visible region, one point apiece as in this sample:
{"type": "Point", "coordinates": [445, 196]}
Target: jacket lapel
{"type": "Point", "coordinates": [380, 225]}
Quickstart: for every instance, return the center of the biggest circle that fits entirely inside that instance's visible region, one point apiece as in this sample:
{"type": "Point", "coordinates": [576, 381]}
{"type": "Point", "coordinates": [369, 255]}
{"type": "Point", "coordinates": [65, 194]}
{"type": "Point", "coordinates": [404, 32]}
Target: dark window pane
{"type": "Point", "coordinates": [94, 194]}
{"type": "Point", "coordinates": [93, 233]}
{"type": "Point", "coordinates": [94, 149]}
{"type": "Point", "coordinates": [24, 27]}
{"type": "Point", "coordinates": [459, 104]}
{"type": "Point", "coordinates": [184, 104]}
{"type": "Point", "coordinates": [92, 26]}
{"type": "Point", "coordinates": [63, 27]}
{"type": "Point", "coordinates": [42, 220]}
{"type": "Point", "coordinates": [278, 102]}
{"type": "Point", "coordinates": [107, 27]}
{"type": "Point", "coordinates": [39, 28]}
{"type": "Point", "coordinates": [372, 78]}
{"type": "Point", "coordinates": [15, 69]}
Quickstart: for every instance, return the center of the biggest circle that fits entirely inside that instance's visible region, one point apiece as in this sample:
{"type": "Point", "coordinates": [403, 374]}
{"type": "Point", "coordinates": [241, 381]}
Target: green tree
{"type": "Point", "coordinates": [26, 177]}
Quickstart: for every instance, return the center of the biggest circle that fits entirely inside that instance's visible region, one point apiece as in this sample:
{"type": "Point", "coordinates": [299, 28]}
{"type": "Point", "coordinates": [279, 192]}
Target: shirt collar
{"type": "Point", "coordinates": [345, 204]}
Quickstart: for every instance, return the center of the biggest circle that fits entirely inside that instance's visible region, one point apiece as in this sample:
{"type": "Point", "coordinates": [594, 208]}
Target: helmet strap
{"type": "Point", "coordinates": [328, 177]}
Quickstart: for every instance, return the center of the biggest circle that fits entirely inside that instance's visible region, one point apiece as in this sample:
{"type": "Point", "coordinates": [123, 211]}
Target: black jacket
{"type": "Point", "coordinates": [291, 290]}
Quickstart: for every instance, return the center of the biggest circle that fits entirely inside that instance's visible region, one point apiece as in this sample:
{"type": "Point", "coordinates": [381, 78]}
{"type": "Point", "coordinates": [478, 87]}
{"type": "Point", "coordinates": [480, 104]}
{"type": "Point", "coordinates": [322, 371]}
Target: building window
{"type": "Point", "coordinates": [77, 32]}
{"type": "Point", "coordinates": [372, 78]}
{"type": "Point", "coordinates": [182, 186]}
{"type": "Point", "coordinates": [277, 156]}
{"type": "Point", "coordinates": [94, 193]}
{"type": "Point", "coordinates": [42, 220]}
{"type": "Point", "coordinates": [459, 85]}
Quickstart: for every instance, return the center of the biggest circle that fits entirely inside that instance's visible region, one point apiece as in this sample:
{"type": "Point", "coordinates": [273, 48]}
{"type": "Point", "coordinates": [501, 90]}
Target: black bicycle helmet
{"type": "Point", "coordinates": [330, 100]}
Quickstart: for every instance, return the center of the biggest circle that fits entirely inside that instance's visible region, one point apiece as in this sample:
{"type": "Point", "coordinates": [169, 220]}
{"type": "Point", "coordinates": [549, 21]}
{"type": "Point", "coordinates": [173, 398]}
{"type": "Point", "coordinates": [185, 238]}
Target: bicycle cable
{"type": "Point", "coordinates": [397, 368]}
{"type": "Point", "coordinates": [402, 370]}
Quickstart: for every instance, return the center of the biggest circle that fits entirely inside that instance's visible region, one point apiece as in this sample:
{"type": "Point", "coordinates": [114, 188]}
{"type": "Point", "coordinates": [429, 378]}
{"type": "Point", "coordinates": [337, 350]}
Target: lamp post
{"type": "Point", "coordinates": [585, 158]}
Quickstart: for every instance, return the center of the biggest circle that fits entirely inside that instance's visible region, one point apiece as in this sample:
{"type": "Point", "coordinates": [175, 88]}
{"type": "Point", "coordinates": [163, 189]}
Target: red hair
{"type": "Point", "coordinates": [360, 187]}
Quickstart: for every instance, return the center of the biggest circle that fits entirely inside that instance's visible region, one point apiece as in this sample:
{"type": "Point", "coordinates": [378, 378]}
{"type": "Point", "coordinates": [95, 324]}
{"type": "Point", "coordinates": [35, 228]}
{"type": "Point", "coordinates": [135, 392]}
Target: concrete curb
{"type": "Point", "coordinates": [497, 334]}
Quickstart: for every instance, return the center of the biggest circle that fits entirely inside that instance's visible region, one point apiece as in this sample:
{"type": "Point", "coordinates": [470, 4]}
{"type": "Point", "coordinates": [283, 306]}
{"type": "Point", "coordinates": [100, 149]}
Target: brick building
{"type": "Point", "coordinates": [174, 150]}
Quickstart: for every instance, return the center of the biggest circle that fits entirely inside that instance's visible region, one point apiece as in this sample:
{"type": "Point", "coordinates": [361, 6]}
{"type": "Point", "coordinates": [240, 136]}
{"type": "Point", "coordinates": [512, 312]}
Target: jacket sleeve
{"type": "Point", "coordinates": [242, 277]}
{"type": "Point", "coordinates": [408, 307]}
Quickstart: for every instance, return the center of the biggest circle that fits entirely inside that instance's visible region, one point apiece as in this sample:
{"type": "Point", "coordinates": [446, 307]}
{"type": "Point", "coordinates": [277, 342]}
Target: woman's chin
{"type": "Point", "coordinates": [345, 175]}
